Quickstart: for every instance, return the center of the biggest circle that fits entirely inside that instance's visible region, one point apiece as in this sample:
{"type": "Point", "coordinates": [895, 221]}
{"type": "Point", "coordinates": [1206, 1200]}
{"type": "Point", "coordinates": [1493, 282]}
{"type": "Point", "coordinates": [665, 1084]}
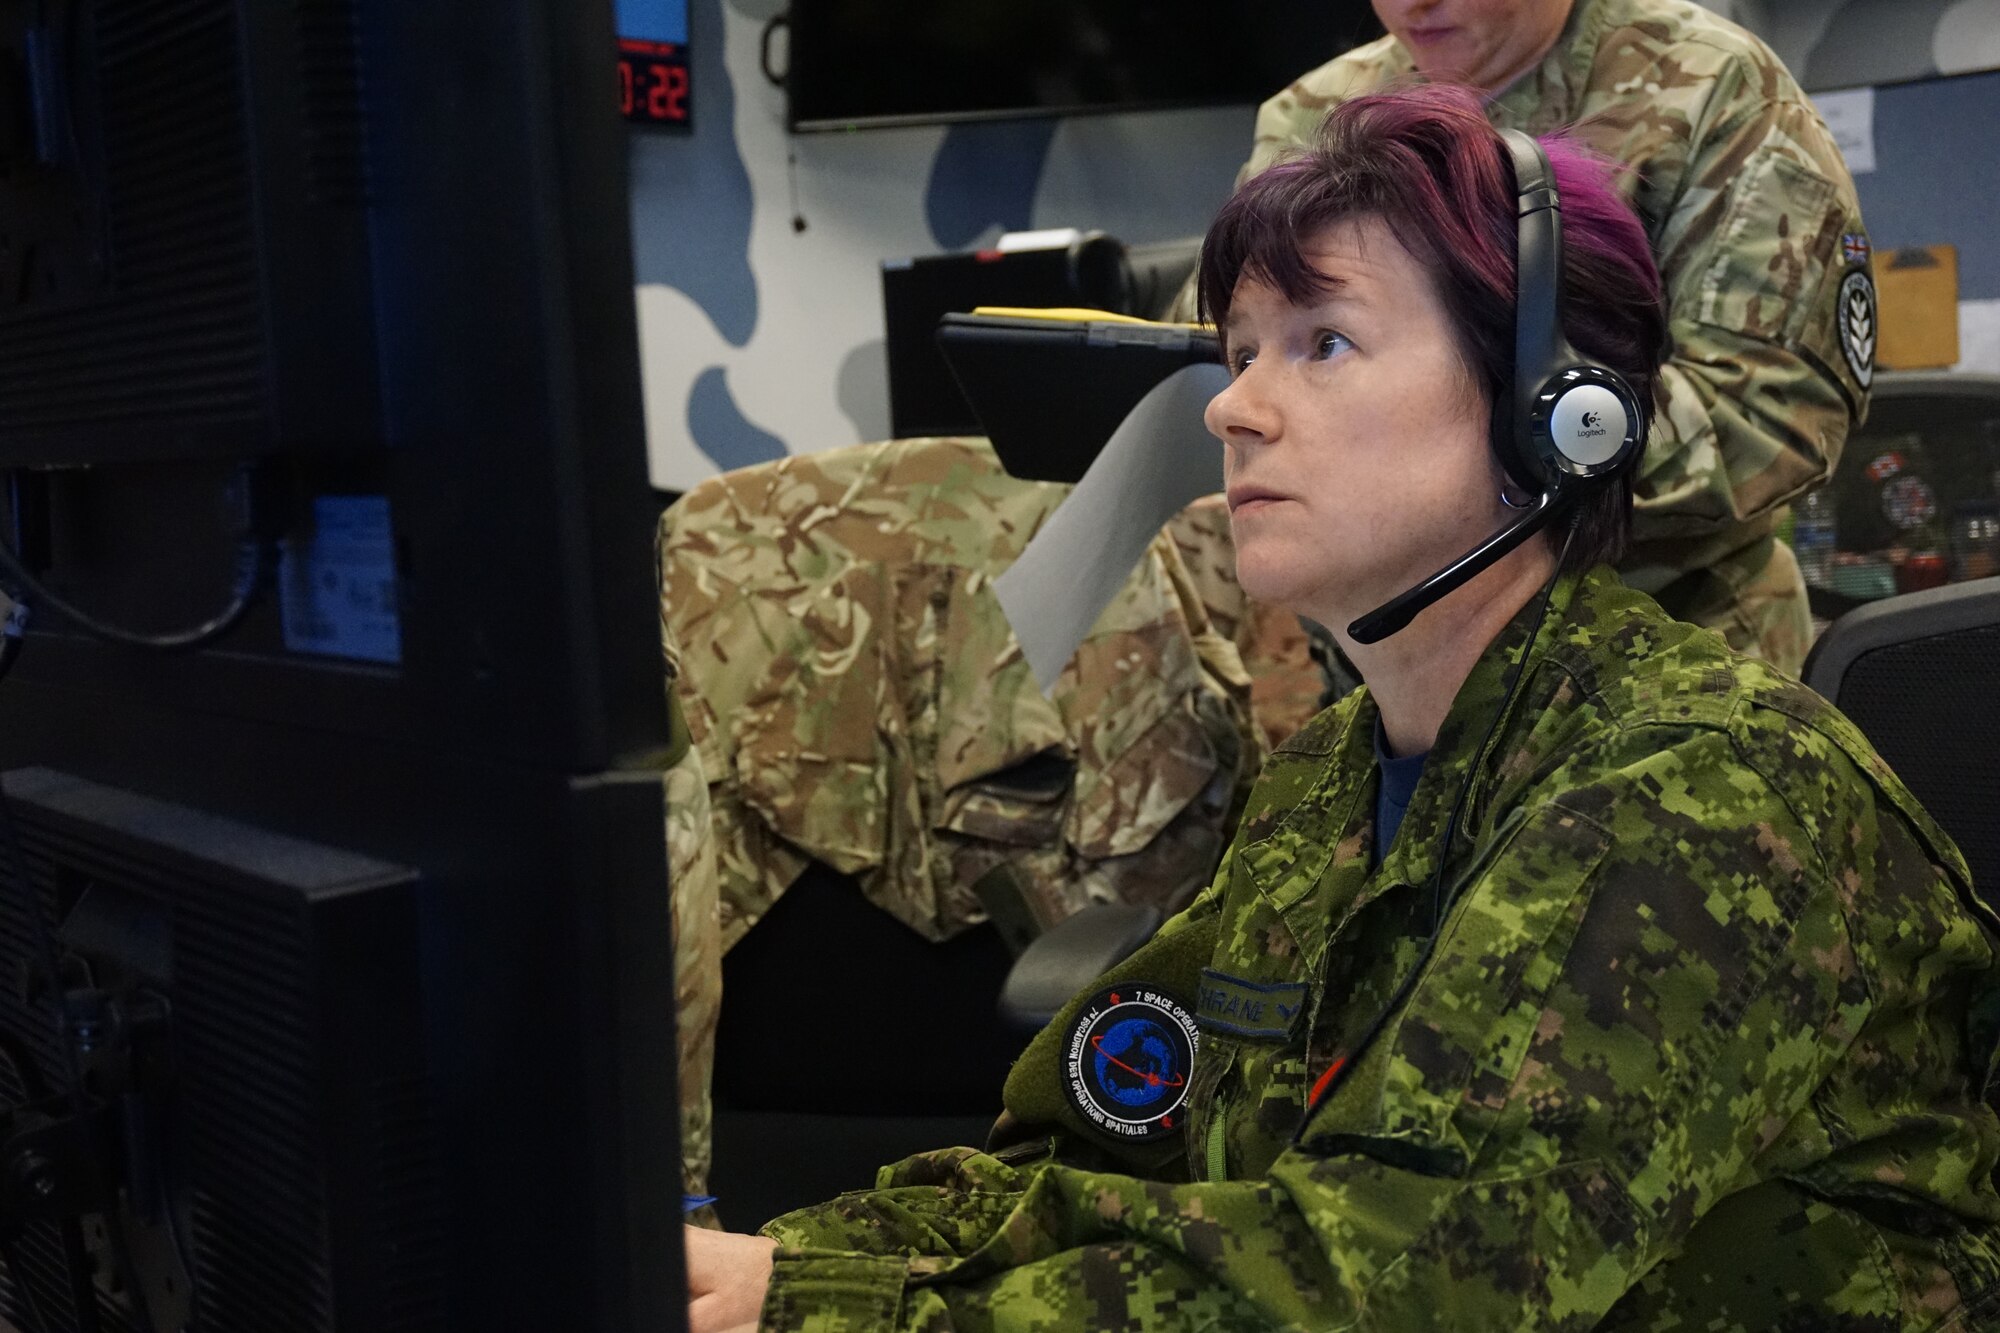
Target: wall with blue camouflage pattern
{"type": "Point", "coordinates": [762, 337]}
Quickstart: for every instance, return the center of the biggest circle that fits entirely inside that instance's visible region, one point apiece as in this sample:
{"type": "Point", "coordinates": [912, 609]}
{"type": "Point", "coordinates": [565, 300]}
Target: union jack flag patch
{"type": "Point", "coordinates": [1855, 247]}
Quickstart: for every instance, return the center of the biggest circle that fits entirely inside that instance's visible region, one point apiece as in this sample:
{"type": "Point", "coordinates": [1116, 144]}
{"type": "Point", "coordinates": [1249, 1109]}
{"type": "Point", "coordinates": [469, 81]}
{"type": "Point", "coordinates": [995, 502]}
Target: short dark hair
{"type": "Point", "coordinates": [1425, 161]}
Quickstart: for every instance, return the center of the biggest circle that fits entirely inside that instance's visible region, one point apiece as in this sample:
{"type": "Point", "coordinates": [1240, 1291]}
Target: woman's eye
{"type": "Point", "coordinates": [1240, 362]}
{"type": "Point", "coordinates": [1332, 344]}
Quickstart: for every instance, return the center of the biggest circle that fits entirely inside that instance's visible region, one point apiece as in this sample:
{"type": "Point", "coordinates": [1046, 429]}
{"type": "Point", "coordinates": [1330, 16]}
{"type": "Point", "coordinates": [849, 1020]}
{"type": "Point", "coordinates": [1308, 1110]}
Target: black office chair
{"type": "Point", "coordinates": [1920, 675]}
{"type": "Point", "coordinates": [848, 1040]}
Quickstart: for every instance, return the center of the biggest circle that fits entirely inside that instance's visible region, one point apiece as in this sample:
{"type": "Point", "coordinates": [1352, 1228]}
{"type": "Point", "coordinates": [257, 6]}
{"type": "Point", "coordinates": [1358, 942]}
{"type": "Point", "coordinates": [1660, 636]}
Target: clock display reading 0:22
{"type": "Point", "coordinates": [653, 82]}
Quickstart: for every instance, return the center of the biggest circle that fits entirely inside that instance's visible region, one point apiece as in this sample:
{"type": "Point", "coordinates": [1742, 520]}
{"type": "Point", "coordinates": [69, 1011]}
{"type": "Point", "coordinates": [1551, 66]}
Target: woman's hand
{"type": "Point", "coordinates": [727, 1277]}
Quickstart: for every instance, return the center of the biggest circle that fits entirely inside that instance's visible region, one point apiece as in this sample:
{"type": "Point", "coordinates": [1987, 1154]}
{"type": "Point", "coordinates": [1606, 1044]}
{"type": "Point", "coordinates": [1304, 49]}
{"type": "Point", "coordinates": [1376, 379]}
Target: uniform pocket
{"type": "Point", "coordinates": [1204, 1107]}
{"type": "Point", "coordinates": [1137, 793]}
{"type": "Point", "coordinates": [813, 738]}
{"type": "Point", "coordinates": [1451, 1058]}
{"type": "Point", "coordinates": [1769, 257]}
{"type": "Point", "coordinates": [1020, 806]}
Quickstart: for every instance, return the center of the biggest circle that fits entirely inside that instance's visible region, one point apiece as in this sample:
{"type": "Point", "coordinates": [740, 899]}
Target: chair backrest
{"type": "Point", "coordinates": [826, 968]}
{"type": "Point", "coordinates": [1920, 675]}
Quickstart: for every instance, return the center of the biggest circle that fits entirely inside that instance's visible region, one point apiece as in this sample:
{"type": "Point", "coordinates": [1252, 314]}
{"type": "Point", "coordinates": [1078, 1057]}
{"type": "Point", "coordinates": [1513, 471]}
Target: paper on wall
{"type": "Point", "coordinates": [1979, 337]}
{"type": "Point", "coordinates": [1851, 116]}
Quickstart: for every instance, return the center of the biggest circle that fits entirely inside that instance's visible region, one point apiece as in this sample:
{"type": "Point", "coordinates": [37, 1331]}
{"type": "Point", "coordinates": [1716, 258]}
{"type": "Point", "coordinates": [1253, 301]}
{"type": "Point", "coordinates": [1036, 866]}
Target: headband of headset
{"type": "Point", "coordinates": [1573, 419]}
{"type": "Point", "coordinates": [1573, 423]}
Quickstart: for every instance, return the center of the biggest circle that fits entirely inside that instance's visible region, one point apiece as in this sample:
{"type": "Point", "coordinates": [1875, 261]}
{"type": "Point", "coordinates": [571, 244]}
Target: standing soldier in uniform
{"type": "Point", "coordinates": [1755, 227]}
{"type": "Point", "coordinates": [1577, 972]}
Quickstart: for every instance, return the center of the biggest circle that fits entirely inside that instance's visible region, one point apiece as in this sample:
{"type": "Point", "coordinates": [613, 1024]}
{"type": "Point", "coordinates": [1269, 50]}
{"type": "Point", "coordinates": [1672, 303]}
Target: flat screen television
{"type": "Point", "coordinates": [901, 62]}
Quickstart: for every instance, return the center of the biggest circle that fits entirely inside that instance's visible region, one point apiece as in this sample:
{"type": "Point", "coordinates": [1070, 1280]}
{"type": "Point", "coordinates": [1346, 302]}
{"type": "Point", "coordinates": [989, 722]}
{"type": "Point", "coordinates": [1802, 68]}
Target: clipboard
{"type": "Point", "coordinates": [1050, 387]}
{"type": "Point", "coordinates": [1917, 289]}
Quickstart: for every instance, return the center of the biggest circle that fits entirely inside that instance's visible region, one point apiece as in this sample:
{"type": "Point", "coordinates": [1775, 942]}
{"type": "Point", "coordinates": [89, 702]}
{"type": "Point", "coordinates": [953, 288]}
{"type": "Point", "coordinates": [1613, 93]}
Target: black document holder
{"type": "Point", "coordinates": [1050, 391]}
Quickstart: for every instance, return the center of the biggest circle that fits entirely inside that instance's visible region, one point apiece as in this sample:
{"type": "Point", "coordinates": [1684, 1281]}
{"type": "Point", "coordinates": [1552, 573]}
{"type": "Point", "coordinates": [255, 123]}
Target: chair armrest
{"type": "Point", "coordinates": [1068, 957]}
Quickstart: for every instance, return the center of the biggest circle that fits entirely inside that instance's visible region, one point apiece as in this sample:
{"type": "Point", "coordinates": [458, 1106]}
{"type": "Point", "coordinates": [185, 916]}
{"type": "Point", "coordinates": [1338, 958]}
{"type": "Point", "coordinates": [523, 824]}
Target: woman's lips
{"type": "Point", "coordinates": [1249, 500]}
{"type": "Point", "coordinates": [1429, 36]}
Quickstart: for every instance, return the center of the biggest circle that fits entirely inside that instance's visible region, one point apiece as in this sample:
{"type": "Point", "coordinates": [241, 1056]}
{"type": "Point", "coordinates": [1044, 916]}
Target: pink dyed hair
{"type": "Point", "coordinates": [1425, 161]}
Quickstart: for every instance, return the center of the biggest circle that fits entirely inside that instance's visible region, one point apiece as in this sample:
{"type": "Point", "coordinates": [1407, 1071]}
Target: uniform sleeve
{"type": "Point", "coordinates": [1641, 992]}
{"type": "Point", "coordinates": [1772, 351]}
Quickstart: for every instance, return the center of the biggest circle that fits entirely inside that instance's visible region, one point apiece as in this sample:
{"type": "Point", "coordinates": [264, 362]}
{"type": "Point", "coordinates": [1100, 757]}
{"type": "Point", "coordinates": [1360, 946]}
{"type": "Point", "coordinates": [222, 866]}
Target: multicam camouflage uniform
{"type": "Point", "coordinates": [1754, 221]}
{"type": "Point", "coordinates": [1286, 685]}
{"type": "Point", "coordinates": [697, 927]}
{"type": "Point", "coordinates": [858, 698]}
{"type": "Point", "coordinates": [1700, 1046]}
{"type": "Point", "coordinates": [855, 696]}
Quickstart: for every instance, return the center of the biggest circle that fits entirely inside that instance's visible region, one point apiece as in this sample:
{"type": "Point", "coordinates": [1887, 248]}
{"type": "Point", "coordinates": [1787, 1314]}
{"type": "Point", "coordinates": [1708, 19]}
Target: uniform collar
{"type": "Point", "coordinates": [1305, 856]}
{"type": "Point", "coordinates": [1547, 96]}
{"type": "Point", "coordinates": [1463, 745]}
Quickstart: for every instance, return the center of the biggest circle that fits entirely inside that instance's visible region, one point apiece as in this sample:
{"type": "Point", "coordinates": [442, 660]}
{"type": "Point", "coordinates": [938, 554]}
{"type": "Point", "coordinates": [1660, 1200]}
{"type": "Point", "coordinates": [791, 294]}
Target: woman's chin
{"type": "Point", "coordinates": [1275, 582]}
{"type": "Point", "coordinates": [1315, 593]}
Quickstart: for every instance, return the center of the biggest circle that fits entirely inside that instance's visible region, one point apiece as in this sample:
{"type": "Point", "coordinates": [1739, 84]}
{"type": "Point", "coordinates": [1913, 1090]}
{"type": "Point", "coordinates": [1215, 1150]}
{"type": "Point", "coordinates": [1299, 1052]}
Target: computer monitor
{"type": "Point", "coordinates": [361, 907]}
{"type": "Point", "coordinates": [855, 63]}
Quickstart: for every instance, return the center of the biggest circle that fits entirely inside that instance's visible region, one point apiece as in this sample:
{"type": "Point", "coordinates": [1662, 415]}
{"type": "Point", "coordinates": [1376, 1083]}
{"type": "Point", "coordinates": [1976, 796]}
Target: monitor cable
{"type": "Point", "coordinates": [253, 570]}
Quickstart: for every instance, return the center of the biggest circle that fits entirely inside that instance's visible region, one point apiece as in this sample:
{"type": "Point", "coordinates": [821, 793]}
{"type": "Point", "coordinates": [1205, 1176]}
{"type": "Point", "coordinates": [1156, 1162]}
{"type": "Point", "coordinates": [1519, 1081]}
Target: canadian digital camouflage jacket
{"type": "Point", "coordinates": [1755, 224]}
{"type": "Point", "coordinates": [1702, 1044]}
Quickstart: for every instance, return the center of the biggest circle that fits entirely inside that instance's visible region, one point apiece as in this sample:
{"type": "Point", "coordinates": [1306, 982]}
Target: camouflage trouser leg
{"type": "Point", "coordinates": [697, 930]}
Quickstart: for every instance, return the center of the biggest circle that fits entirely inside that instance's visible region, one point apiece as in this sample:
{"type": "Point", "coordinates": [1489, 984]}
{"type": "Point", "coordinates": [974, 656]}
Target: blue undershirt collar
{"type": "Point", "coordinates": [1399, 783]}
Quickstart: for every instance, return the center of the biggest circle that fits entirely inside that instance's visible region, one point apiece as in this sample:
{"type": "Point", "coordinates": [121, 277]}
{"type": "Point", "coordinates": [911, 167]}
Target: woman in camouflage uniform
{"type": "Point", "coordinates": [1651, 1001]}
{"type": "Point", "coordinates": [1751, 215]}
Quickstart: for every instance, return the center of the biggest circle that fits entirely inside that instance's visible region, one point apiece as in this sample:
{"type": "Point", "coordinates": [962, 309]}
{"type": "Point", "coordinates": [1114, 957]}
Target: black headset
{"type": "Point", "coordinates": [1573, 426]}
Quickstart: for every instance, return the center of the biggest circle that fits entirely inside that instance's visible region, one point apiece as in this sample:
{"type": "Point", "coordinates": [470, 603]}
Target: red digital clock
{"type": "Point", "coordinates": [653, 83]}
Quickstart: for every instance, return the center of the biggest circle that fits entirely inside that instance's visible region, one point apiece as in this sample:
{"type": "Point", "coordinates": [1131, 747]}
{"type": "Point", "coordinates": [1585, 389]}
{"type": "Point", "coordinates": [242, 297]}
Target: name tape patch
{"type": "Point", "coordinates": [1239, 1008]}
{"type": "Point", "coordinates": [1128, 1060]}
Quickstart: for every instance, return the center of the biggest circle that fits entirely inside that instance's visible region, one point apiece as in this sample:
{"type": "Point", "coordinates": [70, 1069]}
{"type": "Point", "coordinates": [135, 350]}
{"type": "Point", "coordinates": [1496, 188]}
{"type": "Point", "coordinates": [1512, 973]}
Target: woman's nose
{"type": "Point", "coordinates": [1241, 413]}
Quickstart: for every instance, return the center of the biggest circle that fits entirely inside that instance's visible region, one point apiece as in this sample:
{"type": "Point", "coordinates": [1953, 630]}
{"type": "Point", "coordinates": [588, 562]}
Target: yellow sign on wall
{"type": "Point", "coordinates": [1918, 293]}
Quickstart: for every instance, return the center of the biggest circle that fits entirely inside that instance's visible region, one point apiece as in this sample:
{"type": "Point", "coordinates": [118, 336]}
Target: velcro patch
{"type": "Point", "coordinates": [1128, 1059]}
{"type": "Point", "coordinates": [1856, 317]}
{"type": "Point", "coordinates": [1234, 1007]}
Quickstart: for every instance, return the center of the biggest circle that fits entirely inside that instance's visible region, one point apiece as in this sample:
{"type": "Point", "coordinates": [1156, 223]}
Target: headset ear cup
{"type": "Point", "coordinates": [1588, 424]}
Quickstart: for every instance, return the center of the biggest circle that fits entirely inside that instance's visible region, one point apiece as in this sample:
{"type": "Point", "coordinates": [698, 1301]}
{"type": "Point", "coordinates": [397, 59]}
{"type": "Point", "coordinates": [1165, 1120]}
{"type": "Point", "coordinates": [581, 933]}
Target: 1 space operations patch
{"type": "Point", "coordinates": [1128, 1060]}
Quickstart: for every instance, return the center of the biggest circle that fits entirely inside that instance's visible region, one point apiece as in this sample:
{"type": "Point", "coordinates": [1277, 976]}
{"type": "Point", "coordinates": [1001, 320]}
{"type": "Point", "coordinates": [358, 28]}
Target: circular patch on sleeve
{"type": "Point", "coordinates": [1857, 324]}
{"type": "Point", "coordinates": [1128, 1060]}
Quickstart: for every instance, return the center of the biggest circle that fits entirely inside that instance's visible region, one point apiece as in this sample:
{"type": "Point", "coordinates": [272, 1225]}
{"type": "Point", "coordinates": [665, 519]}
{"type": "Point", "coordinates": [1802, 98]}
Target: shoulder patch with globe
{"type": "Point", "coordinates": [1128, 1060]}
